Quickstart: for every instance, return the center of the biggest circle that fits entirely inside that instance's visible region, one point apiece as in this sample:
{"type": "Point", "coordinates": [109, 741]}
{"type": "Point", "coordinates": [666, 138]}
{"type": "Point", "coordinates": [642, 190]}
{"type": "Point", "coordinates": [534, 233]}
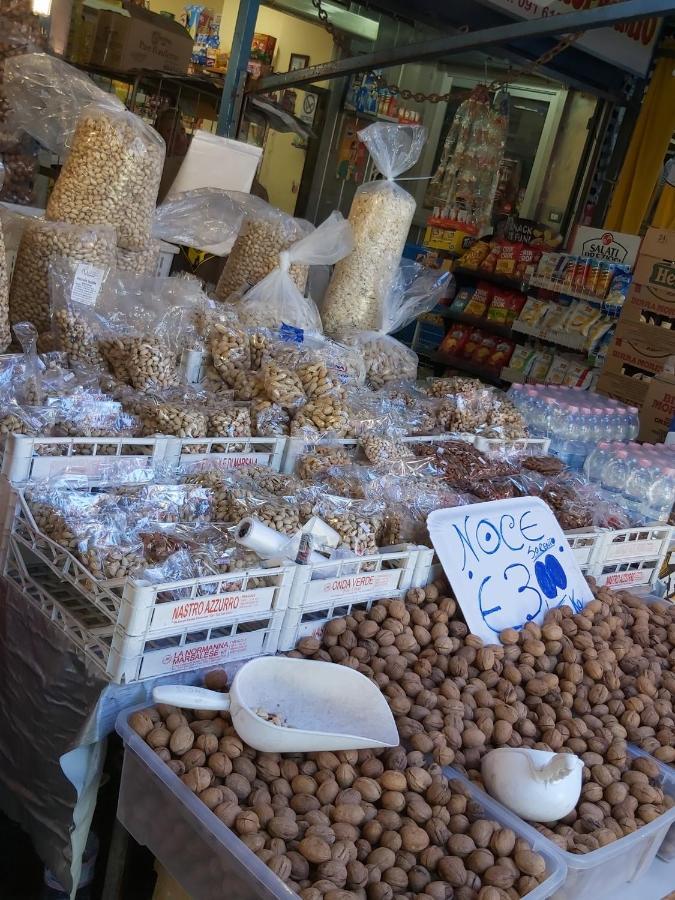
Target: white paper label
{"type": "Point", "coordinates": [220, 606]}
{"type": "Point", "coordinates": [365, 584]}
{"type": "Point", "coordinates": [87, 284]}
{"type": "Point", "coordinates": [206, 653]}
{"type": "Point", "coordinates": [508, 562]}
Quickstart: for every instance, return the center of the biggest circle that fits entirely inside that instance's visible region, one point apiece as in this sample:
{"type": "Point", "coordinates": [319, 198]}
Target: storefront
{"type": "Point", "coordinates": [337, 379]}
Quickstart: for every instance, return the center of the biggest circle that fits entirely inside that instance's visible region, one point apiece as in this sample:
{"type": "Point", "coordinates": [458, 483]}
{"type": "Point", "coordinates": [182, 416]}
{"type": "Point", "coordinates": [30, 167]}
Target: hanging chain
{"type": "Point", "coordinates": [339, 37]}
{"type": "Point", "coordinates": [419, 96]}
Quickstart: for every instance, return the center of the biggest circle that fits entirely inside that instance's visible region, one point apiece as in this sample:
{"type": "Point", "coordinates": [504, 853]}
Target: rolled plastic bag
{"type": "Point", "coordinates": [277, 300]}
{"type": "Point", "coordinates": [380, 215]}
{"type": "Point", "coordinates": [47, 96]}
{"type": "Point", "coordinates": [111, 175]}
{"type": "Point", "coordinates": [415, 289]}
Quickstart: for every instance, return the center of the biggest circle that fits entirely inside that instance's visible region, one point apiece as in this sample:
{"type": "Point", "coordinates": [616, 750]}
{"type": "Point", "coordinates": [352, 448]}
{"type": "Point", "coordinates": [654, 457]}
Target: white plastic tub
{"type": "Point", "coordinates": [599, 874]}
{"type": "Point", "coordinates": [205, 856]}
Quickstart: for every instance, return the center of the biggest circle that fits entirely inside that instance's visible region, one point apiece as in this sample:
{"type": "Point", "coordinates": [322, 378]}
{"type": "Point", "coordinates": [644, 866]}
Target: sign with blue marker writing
{"type": "Point", "coordinates": [508, 562]}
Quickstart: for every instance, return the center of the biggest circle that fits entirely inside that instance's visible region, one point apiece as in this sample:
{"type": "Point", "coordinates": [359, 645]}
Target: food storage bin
{"type": "Point", "coordinates": [206, 857]}
{"type": "Point", "coordinates": [599, 874]}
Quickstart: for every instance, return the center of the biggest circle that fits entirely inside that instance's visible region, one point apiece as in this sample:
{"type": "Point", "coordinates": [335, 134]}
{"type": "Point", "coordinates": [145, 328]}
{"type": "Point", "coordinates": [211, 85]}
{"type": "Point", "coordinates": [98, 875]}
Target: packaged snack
{"type": "Point", "coordinates": [455, 340]}
{"type": "Point", "coordinates": [528, 257]}
{"type": "Point", "coordinates": [501, 353]}
{"type": "Point", "coordinates": [533, 311]}
{"type": "Point", "coordinates": [556, 373]}
{"type": "Point", "coordinates": [548, 263]}
{"type": "Point", "coordinates": [475, 255]}
{"type": "Point", "coordinates": [499, 307]}
{"type": "Point", "coordinates": [556, 317]}
{"type": "Point", "coordinates": [479, 300]}
{"type": "Point", "coordinates": [618, 289]}
{"type": "Point", "coordinates": [577, 375]}
{"type": "Point", "coordinates": [516, 303]}
{"type": "Point", "coordinates": [604, 279]}
{"type": "Point", "coordinates": [598, 330]}
{"type": "Point", "coordinates": [591, 277]}
{"type": "Point", "coordinates": [484, 350]}
{"type": "Point", "coordinates": [472, 343]}
{"type": "Point", "coordinates": [490, 261]}
{"type": "Point", "coordinates": [461, 300]}
{"type": "Point", "coordinates": [508, 259]}
{"type": "Point", "coordinates": [541, 365]}
{"type": "Point", "coordinates": [522, 358]}
{"type": "Point", "coordinates": [581, 317]}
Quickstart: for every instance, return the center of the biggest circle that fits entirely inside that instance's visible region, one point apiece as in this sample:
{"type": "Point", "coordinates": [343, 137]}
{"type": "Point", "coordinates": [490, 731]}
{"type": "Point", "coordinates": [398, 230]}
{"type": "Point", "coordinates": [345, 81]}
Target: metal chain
{"type": "Point", "coordinates": [419, 96]}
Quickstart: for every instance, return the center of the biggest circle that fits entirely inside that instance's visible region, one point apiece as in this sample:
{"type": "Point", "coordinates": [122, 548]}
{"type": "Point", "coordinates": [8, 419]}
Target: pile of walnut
{"type": "Point", "coordinates": [586, 683]}
{"type": "Point", "coordinates": [348, 825]}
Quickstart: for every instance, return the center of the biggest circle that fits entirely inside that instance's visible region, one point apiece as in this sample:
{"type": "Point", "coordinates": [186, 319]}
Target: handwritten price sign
{"type": "Point", "coordinates": [508, 562]}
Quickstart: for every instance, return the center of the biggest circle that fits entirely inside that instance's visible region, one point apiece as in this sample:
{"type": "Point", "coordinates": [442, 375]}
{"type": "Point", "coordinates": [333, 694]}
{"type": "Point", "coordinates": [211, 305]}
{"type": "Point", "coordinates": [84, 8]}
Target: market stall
{"type": "Point", "coordinates": [198, 475]}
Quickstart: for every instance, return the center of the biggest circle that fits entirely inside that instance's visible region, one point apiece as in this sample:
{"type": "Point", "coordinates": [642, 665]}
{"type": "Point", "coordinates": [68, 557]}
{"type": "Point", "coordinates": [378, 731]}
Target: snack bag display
{"type": "Point", "coordinates": [472, 343]}
{"type": "Point", "coordinates": [528, 257]}
{"type": "Point", "coordinates": [455, 340]}
{"type": "Point", "coordinates": [473, 258]}
{"type": "Point", "coordinates": [462, 299]}
{"type": "Point", "coordinates": [540, 366]}
{"type": "Point", "coordinates": [522, 358]}
{"type": "Point", "coordinates": [582, 317]}
{"type": "Point", "coordinates": [499, 307]}
{"type": "Point", "coordinates": [485, 349]}
{"type": "Point", "coordinates": [508, 259]}
{"type": "Point", "coordinates": [559, 366]}
{"type": "Point", "coordinates": [479, 301]}
{"type": "Point", "coordinates": [500, 355]}
{"type": "Point", "coordinates": [533, 311]}
{"type": "Point", "coordinates": [490, 262]}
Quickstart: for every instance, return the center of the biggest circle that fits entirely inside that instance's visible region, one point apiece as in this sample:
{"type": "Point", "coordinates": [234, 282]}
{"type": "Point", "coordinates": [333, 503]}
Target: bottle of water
{"type": "Point", "coordinates": [596, 461]}
{"type": "Point", "coordinates": [614, 475]}
{"type": "Point", "coordinates": [640, 479]}
{"type": "Point", "coordinates": [660, 498]}
{"type": "Point", "coordinates": [562, 434]}
{"type": "Point", "coordinates": [633, 422]}
{"type": "Point", "coordinates": [580, 442]}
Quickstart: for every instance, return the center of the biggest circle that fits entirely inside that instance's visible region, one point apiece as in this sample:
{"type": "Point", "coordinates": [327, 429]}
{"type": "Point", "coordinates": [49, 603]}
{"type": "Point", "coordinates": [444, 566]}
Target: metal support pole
{"type": "Point", "coordinates": [570, 23]}
{"type": "Point", "coordinates": [236, 68]}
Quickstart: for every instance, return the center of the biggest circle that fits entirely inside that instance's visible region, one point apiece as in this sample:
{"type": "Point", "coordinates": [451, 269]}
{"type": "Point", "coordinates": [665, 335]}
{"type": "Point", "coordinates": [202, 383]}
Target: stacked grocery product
{"type": "Point", "coordinates": [638, 363]}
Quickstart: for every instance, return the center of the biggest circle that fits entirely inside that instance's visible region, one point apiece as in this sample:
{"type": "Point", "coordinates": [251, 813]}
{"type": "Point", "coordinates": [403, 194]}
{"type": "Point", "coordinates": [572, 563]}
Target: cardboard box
{"type": "Point", "coordinates": [658, 408]}
{"type": "Point", "coordinates": [655, 266]}
{"type": "Point", "coordinates": [623, 388]}
{"type": "Point", "coordinates": [647, 305]}
{"type": "Point", "coordinates": [135, 38]}
{"type": "Point", "coordinates": [448, 240]}
{"type": "Point", "coordinates": [639, 349]}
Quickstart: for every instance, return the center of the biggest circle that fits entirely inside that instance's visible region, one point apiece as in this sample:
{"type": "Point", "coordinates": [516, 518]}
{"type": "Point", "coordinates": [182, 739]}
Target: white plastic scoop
{"type": "Point", "coordinates": [322, 706]}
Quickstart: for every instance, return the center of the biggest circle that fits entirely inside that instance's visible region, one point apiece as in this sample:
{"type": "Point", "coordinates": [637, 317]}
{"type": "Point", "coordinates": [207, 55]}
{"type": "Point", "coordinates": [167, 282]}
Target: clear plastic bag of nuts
{"type": "Point", "coordinates": [139, 262]}
{"type": "Point", "coordinates": [381, 214]}
{"type": "Point", "coordinates": [111, 175]}
{"type": "Point", "coordinates": [41, 243]}
{"type": "Point", "coordinates": [265, 233]}
{"type": "Point", "coordinates": [277, 301]}
{"type": "Point", "coordinates": [74, 290]}
{"type": "Point", "coordinates": [414, 290]}
{"type": "Point", "coordinates": [5, 336]}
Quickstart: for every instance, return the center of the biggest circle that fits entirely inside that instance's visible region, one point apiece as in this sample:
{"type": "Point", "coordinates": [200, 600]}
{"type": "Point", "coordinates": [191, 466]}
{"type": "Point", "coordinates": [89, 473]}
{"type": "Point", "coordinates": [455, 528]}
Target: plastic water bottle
{"type": "Point", "coordinates": [579, 443]}
{"type": "Point", "coordinates": [640, 478]}
{"type": "Point", "coordinates": [614, 475]}
{"type": "Point", "coordinates": [633, 422]}
{"type": "Point", "coordinates": [596, 461]}
{"type": "Point", "coordinates": [660, 498]}
{"type": "Point", "coordinates": [562, 435]}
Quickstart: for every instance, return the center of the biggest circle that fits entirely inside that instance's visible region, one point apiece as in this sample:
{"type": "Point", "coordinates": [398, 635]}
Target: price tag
{"type": "Point", "coordinates": [508, 562]}
{"type": "Point", "coordinates": [87, 284]}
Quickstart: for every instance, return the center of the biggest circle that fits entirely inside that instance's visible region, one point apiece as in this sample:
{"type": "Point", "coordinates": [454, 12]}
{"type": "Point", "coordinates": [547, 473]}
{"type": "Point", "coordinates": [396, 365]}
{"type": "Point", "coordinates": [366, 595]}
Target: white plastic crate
{"type": "Point", "coordinates": [585, 545]}
{"type": "Point", "coordinates": [388, 573]}
{"type": "Point", "coordinates": [227, 452]}
{"type": "Point", "coordinates": [295, 447]}
{"type": "Point", "coordinates": [311, 621]}
{"type": "Point", "coordinates": [144, 610]}
{"type": "Point", "coordinates": [529, 446]}
{"type": "Point", "coordinates": [30, 459]}
{"type": "Point", "coordinates": [631, 556]}
{"type": "Point", "coordinates": [126, 658]}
